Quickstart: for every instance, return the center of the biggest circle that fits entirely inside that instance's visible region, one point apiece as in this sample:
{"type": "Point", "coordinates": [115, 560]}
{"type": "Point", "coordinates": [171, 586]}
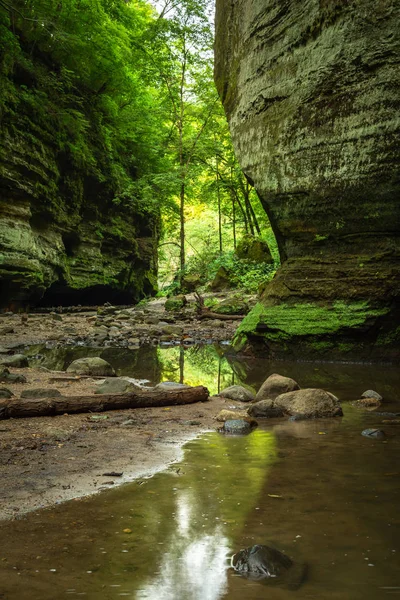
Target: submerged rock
{"type": "Point", "coordinates": [93, 365]}
{"type": "Point", "coordinates": [268, 565]}
{"type": "Point", "coordinates": [237, 392]}
{"type": "Point", "coordinates": [275, 385]}
{"type": "Point", "coordinates": [376, 434]}
{"type": "Point", "coordinates": [367, 403]}
{"type": "Point", "coordinates": [239, 426]}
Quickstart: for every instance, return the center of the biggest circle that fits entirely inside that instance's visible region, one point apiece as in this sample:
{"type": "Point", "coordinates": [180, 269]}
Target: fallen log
{"type": "Point", "coordinates": [40, 407]}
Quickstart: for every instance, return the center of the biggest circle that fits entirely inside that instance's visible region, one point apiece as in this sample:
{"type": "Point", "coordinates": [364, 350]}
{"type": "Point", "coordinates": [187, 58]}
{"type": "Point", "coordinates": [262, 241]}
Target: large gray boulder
{"type": "Point", "coordinates": [117, 385]}
{"type": "Point", "coordinates": [310, 403]}
{"type": "Point", "coordinates": [276, 385]}
{"type": "Point", "coordinates": [265, 409]}
{"type": "Point", "coordinates": [237, 392]}
{"type": "Point", "coordinates": [306, 404]}
{"type": "Point", "coordinates": [93, 365]}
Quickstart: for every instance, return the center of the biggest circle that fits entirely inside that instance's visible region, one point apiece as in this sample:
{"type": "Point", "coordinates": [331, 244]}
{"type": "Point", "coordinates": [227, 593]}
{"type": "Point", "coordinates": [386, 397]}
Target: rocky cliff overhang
{"type": "Point", "coordinates": [310, 89]}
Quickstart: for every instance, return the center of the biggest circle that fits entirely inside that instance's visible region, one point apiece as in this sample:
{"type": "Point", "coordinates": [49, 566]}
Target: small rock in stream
{"type": "Point", "coordinates": [376, 434]}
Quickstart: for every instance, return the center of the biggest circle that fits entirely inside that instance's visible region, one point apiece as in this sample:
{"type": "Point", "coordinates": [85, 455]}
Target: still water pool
{"type": "Point", "coordinates": [316, 490]}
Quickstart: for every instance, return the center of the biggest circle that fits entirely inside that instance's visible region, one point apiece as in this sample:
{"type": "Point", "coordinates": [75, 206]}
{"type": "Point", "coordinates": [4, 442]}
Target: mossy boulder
{"type": "Point", "coordinates": [254, 249]}
{"type": "Point", "coordinates": [190, 283]}
{"type": "Point", "coordinates": [92, 365]}
{"type": "Point", "coordinates": [175, 303]}
{"type": "Point", "coordinates": [223, 280]}
{"type": "Point", "coordinates": [233, 305]}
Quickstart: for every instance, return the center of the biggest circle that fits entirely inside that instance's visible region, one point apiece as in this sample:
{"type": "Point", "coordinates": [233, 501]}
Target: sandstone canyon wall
{"type": "Point", "coordinates": [64, 236]}
{"type": "Point", "coordinates": [311, 92]}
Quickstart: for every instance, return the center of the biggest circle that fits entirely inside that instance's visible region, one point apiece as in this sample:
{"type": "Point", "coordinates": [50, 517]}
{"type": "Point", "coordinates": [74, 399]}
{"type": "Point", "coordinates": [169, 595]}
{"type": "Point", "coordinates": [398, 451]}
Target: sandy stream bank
{"type": "Point", "coordinates": [47, 460]}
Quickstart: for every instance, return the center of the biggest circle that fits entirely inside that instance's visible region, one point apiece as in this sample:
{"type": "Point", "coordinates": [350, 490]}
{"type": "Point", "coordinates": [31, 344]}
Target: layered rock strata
{"type": "Point", "coordinates": [310, 89]}
{"type": "Point", "coordinates": [65, 237]}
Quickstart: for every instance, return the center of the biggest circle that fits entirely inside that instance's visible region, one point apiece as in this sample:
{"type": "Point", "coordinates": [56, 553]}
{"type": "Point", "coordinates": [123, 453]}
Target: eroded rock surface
{"type": "Point", "coordinates": [309, 88]}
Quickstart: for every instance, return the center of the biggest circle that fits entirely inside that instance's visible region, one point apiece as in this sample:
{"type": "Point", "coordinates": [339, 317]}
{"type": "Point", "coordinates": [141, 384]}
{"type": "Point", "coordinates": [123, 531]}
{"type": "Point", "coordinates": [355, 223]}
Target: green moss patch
{"type": "Point", "coordinates": [286, 321]}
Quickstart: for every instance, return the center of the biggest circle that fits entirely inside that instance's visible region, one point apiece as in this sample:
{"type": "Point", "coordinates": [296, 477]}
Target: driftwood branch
{"type": "Point", "coordinates": [40, 407]}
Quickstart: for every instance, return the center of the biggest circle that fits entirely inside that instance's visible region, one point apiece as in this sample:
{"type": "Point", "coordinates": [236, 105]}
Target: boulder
{"type": "Point", "coordinates": [232, 306]}
{"type": "Point", "coordinates": [375, 434]}
{"type": "Point", "coordinates": [367, 403]}
{"type": "Point", "coordinates": [222, 280]}
{"type": "Point", "coordinates": [93, 365]}
{"type": "Point", "coordinates": [171, 385]}
{"type": "Point", "coordinates": [276, 385]}
{"type": "Point", "coordinates": [17, 360]}
{"type": "Point", "coordinates": [237, 392]}
{"type": "Point", "coordinates": [265, 563]}
{"type": "Point", "coordinates": [175, 303]}
{"type": "Point", "coordinates": [5, 375]}
{"type": "Point", "coordinates": [172, 330]}
{"type": "Point", "coordinates": [372, 394]}
{"type": "Point", "coordinates": [238, 426]}
{"type": "Point", "coordinates": [190, 283]}
{"type": "Point", "coordinates": [265, 409]}
{"type": "Point", "coordinates": [40, 393]}
{"type": "Point", "coordinates": [310, 403]}
{"type": "Point", "coordinates": [254, 249]}
{"type": "Point", "coordinates": [116, 385]}
{"type": "Point", "coordinates": [229, 415]}
{"type": "Point", "coordinates": [6, 393]}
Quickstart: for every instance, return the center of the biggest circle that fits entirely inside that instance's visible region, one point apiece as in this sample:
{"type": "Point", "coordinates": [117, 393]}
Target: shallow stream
{"type": "Point", "coordinates": [316, 490]}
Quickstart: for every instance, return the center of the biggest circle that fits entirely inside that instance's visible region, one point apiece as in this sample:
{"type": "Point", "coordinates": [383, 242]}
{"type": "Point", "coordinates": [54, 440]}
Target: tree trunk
{"type": "Point", "coordinates": [219, 204]}
{"type": "Point", "coordinates": [182, 230]}
{"type": "Point", "coordinates": [39, 407]}
{"type": "Point", "coordinates": [233, 213]}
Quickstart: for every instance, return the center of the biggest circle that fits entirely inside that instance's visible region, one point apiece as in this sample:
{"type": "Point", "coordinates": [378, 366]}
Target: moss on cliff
{"type": "Point", "coordinates": [311, 322]}
{"type": "Point", "coordinates": [68, 151]}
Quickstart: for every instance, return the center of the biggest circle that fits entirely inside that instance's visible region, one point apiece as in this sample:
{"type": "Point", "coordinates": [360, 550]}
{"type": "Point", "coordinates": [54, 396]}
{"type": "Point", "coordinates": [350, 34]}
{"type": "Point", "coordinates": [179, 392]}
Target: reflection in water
{"type": "Point", "coordinates": [213, 367]}
{"type": "Point", "coordinates": [181, 530]}
{"type": "Point", "coordinates": [207, 514]}
{"type": "Point", "coordinates": [199, 572]}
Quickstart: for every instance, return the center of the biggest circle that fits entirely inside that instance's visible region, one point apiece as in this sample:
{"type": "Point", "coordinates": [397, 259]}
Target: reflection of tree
{"type": "Point", "coordinates": [222, 482]}
{"type": "Point", "coordinates": [198, 365]}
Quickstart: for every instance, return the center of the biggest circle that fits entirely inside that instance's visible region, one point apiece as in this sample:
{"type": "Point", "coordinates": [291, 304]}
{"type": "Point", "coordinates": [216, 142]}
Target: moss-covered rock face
{"type": "Point", "coordinates": [64, 238]}
{"type": "Point", "coordinates": [251, 248]}
{"type": "Point", "coordinates": [309, 91]}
